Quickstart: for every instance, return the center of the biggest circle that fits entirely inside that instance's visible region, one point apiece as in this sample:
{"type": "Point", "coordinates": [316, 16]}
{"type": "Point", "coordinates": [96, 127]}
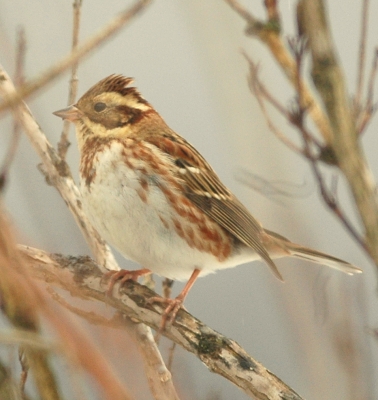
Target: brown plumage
{"type": "Point", "coordinates": [154, 197]}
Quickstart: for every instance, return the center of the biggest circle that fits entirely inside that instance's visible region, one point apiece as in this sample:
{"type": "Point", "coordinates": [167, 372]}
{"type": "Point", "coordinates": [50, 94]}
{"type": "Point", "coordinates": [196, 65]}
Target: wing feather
{"type": "Point", "coordinates": [207, 192]}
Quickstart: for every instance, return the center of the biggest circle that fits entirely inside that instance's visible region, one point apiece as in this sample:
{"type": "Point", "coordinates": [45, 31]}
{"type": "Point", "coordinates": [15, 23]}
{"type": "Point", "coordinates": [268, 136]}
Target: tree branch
{"type": "Point", "coordinates": [328, 78]}
{"type": "Point", "coordinates": [82, 277]}
{"type": "Point", "coordinates": [159, 378]}
{"type": "Point", "coordinates": [25, 305]}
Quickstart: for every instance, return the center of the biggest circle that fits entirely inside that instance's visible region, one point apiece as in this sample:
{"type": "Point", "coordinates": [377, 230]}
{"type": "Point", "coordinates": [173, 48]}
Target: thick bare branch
{"type": "Point", "coordinates": [82, 277]}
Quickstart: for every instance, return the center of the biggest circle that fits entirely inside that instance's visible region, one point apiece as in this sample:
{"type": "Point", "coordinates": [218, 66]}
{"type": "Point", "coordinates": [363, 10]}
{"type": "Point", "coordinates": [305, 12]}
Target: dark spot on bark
{"type": "Point", "coordinates": [83, 266]}
{"type": "Point", "coordinates": [245, 363]}
{"type": "Point", "coordinates": [209, 344]}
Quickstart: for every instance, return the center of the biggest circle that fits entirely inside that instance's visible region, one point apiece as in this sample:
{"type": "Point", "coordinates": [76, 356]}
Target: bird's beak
{"type": "Point", "coordinates": [70, 113]}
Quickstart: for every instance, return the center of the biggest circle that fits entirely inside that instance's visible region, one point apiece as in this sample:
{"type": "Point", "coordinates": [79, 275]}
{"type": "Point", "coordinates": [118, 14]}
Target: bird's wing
{"type": "Point", "coordinates": [208, 193]}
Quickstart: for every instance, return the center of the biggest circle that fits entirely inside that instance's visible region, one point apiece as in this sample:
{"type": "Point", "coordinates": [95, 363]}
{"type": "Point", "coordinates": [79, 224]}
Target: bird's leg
{"type": "Point", "coordinates": [173, 305]}
{"type": "Point", "coordinates": [123, 276]}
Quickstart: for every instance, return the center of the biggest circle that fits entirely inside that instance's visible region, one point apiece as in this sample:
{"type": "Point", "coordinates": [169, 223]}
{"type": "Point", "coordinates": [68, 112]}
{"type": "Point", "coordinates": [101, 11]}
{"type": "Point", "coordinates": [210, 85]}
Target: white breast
{"type": "Point", "coordinates": [135, 227]}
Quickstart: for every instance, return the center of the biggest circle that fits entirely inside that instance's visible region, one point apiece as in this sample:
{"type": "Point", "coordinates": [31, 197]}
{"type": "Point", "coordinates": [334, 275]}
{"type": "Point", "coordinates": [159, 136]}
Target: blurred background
{"type": "Point", "coordinates": [315, 330]}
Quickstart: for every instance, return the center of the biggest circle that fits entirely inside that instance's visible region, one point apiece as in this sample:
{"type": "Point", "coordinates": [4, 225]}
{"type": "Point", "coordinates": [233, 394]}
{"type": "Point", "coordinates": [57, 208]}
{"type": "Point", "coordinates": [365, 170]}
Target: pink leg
{"type": "Point", "coordinates": [174, 305]}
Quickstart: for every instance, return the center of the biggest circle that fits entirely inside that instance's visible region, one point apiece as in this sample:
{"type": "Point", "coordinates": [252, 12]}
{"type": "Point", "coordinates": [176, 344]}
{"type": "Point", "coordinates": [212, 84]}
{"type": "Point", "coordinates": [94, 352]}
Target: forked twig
{"type": "Point", "coordinates": [269, 34]}
{"type": "Point", "coordinates": [296, 118]}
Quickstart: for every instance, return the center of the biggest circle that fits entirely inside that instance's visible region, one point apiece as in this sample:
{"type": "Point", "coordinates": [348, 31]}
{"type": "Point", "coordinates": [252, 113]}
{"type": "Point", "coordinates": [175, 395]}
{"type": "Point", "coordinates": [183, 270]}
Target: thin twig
{"type": "Point", "coordinates": [158, 375]}
{"type": "Point", "coordinates": [261, 93]}
{"type": "Point", "coordinates": [373, 75]}
{"type": "Point", "coordinates": [24, 370]}
{"type": "Point", "coordinates": [362, 56]}
{"type": "Point", "coordinates": [64, 143]}
{"type": "Point", "coordinates": [244, 13]}
{"type": "Point", "coordinates": [62, 65]}
{"type": "Point", "coordinates": [9, 387]}
{"type": "Point", "coordinates": [296, 118]}
{"type": "Point", "coordinates": [19, 76]}
{"type": "Point", "coordinates": [269, 34]}
{"type": "Point", "coordinates": [171, 355]}
{"type": "Point", "coordinates": [256, 83]}
{"type": "Point", "coordinates": [272, 11]}
{"type": "Point", "coordinates": [273, 189]}
{"type": "Point", "coordinates": [19, 80]}
{"type": "Point", "coordinates": [369, 108]}
{"type": "Point", "coordinates": [330, 199]}
{"type": "Point", "coordinates": [90, 316]}
{"type": "Point", "coordinates": [28, 339]}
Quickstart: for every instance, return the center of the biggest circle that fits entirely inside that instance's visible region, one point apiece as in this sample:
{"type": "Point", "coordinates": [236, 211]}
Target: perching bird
{"type": "Point", "coordinates": [151, 195]}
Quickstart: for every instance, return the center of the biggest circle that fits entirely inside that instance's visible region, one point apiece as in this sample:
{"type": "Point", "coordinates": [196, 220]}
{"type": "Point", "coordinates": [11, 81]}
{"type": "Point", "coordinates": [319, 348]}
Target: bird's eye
{"type": "Point", "coordinates": [98, 107]}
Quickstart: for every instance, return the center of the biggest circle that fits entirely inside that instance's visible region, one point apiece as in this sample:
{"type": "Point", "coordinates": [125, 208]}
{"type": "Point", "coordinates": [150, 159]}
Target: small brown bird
{"type": "Point", "coordinates": [152, 196]}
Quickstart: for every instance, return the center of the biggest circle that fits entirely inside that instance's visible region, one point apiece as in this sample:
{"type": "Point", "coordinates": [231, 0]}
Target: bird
{"type": "Point", "coordinates": [152, 196]}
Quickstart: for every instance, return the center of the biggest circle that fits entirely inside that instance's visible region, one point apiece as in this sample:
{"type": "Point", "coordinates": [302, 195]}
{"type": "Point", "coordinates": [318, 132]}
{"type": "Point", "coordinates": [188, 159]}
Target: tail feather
{"type": "Point", "coordinates": [322, 258]}
{"type": "Point", "coordinates": [306, 253]}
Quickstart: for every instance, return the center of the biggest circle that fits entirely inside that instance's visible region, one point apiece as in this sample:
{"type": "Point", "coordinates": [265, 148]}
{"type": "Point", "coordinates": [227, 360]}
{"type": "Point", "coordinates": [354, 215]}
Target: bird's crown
{"type": "Point", "coordinates": [112, 103]}
{"type": "Point", "coordinates": [114, 84]}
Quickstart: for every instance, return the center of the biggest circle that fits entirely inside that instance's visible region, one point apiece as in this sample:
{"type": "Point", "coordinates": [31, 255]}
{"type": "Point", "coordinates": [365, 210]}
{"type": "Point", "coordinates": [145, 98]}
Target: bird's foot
{"type": "Point", "coordinates": [170, 312]}
{"type": "Point", "coordinates": [122, 276]}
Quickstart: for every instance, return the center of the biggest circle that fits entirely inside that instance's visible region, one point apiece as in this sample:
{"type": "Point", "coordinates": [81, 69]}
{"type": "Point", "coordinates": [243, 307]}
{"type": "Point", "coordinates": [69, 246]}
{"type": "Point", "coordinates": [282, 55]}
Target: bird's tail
{"type": "Point", "coordinates": [322, 258]}
{"type": "Point", "coordinates": [306, 253]}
